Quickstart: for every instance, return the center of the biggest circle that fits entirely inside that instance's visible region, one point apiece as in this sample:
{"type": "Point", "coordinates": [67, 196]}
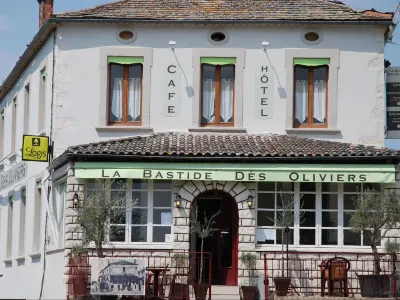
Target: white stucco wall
{"type": "Point", "coordinates": [77, 92]}
{"type": "Point", "coordinates": [22, 278]}
{"type": "Point", "coordinates": [360, 83]}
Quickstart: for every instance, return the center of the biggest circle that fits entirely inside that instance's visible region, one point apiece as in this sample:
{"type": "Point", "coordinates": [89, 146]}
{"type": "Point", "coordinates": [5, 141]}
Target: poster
{"type": "Point", "coordinates": [111, 276]}
{"type": "Point", "coordinates": [263, 235]}
{"type": "Point", "coordinates": [166, 218]}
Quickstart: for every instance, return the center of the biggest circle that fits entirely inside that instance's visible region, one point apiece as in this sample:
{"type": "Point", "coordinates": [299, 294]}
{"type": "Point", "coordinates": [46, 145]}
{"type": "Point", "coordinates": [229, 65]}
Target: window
{"type": "Point", "coordinates": [10, 225]}
{"type": "Point", "coordinates": [125, 90]}
{"type": "Point", "coordinates": [58, 209]}
{"type": "Point", "coordinates": [37, 217]}
{"type": "Point", "coordinates": [218, 80]}
{"type": "Point", "coordinates": [322, 213]}
{"type": "Point", "coordinates": [148, 211]}
{"type": "Point", "coordinates": [26, 109]}
{"type": "Point", "coordinates": [2, 134]}
{"type": "Point", "coordinates": [126, 35]}
{"type": "Point", "coordinates": [42, 100]}
{"type": "Point", "coordinates": [218, 37]}
{"type": "Point", "coordinates": [311, 92]}
{"type": "Point", "coordinates": [14, 124]}
{"type": "Point", "coordinates": [22, 223]}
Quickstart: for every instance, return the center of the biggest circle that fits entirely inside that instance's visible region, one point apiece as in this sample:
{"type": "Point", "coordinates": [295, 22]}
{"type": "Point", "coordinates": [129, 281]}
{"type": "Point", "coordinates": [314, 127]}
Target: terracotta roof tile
{"type": "Point", "coordinates": [202, 10]}
{"type": "Point", "coordinates": [224, 145]}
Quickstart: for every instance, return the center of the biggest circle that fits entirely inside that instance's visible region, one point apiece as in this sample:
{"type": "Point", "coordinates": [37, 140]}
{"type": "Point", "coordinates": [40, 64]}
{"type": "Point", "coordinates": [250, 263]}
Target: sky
{"type": "Point", "coordinates": [18, 27]}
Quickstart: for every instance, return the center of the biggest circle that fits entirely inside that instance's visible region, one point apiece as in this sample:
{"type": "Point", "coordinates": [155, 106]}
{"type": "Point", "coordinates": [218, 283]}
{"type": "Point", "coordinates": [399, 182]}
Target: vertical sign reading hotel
{"type": "Point", "coordinates": [172, 88]}
{"type": "Point", "coordinates": [393, 102]}
{"type": "Point", "coordinates": [264, 107]}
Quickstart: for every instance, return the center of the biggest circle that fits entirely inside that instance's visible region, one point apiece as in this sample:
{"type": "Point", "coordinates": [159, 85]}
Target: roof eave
{"type": "Point", "coordinates": [228, 21]}
{"type": "Point", "coordinates": [32, 49]}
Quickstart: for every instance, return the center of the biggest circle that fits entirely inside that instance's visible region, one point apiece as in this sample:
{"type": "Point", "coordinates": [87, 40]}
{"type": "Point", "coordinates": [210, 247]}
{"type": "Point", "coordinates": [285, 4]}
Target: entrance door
{"type": "Point", "coordinates": [223, 244]}
{"type": "Point", "coordinates": [228, 241]}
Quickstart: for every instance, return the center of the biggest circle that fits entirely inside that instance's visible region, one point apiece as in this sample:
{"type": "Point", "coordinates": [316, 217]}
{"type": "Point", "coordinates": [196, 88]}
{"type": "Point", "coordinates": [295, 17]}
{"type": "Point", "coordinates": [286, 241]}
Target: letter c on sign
{"type": "Point", "coordinates": [169, 67]}
{"type": "Point", "coordinates": [294, 176]}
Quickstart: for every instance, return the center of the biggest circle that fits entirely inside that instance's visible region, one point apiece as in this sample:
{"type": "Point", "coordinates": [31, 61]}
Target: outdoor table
{"type": "Point", "coordinates": [157, 271]}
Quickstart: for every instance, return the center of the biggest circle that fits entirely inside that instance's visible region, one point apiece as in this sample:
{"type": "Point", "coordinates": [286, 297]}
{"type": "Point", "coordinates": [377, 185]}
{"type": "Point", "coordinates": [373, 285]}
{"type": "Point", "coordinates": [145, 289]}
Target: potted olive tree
{"type": "Point", "coordinates": [285, 219]}
{"type": "Point", "coordinates": [376, 213]}
{"type": "Point", "coordinates": [203, 230]}
{"type": "Point", "coordinates": [249, 261]}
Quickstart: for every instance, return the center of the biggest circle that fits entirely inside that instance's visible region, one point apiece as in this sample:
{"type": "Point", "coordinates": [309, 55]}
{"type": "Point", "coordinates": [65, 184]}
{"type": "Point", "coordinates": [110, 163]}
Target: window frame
{"type": "Point", "coordinates": [14, 124]}
{"type": "Point", "coordinates": [27, 101]}
{"type": "Point", "coordinates": [22, 222]}
{"type": "Point", "coordinates": [37, 220]}
{"type": "Point", "coordinates": [125, 93]}
{"type": "Point", "coordinates": [42, 100]}
{"type": "Point", "coordinates": [310, 124]}
{"type": "Point", "coordinates": [334, 65]}
{"type": "Point", "coordinates": [318, 219]}
{"type": "Point", "coordinates": [150, 213]}
{"type": "Point", "coordinates": [217, 101]}
{"type": "Point", "coordinates": [10, 227]}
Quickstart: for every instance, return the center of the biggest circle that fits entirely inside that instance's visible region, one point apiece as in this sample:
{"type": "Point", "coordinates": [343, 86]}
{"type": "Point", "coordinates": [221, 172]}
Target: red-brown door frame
{"type": "Point", "coordinates": [231, 272]}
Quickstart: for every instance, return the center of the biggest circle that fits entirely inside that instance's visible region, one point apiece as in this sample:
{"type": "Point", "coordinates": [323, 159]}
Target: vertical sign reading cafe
{"type": "Point", "coordinates": [393, 102]}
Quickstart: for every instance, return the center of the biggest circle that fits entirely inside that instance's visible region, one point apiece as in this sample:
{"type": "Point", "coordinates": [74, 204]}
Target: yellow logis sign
{"type": "Point", "coordinates": [35, 148]}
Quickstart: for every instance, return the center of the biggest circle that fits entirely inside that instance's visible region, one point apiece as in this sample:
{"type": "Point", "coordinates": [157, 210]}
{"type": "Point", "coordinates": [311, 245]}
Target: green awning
{"type": "Point", "coordinates": [39, 185]}
{"type": "Point", "coordinates": [126, 60]}
{"type": "Point", "coordinates": [218, 61]}
{"type": "Point", "coordinates": [311, 62]}
{"type": "Point", "coordinates": [239, 172]}
{"type": "Point", "coordinates": [43, 72]}
{"type": "Point", "coordinates": [11, 199]}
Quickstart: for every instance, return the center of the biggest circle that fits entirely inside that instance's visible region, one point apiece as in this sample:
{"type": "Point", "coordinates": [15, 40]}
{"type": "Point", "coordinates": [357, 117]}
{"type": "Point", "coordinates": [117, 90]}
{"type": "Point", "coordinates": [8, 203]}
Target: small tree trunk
{"type": "Point", "coordinates": [99, 249]}
{"type": "Point", "coordinates": [201, 261]}
{"type": "Point", "coordinates": [377, 260]}
{"type": "Point", "coordinates": [283, 257]}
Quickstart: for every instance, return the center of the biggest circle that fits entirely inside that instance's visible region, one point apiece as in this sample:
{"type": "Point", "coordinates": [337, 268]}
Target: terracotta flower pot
{"type": "Point", "coordinates": [282, 286]}
{"type": "Point", "coordinates": [249, 292]}
{"type": "Point", "coordinates": [200, 291]}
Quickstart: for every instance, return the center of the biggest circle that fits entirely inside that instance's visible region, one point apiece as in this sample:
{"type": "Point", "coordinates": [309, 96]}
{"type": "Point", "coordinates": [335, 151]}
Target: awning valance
{"type": "Point", "coordinates": [126, 60]}
{"type": "Point", "coordinates": [218, 61]}
{"type": "Point", "coordinates": [311, 62]}
{"type": "Point", "coordinates": [239, 172]}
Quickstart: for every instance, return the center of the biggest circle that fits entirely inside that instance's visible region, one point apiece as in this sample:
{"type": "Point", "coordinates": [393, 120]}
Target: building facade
{"type": "Point", "coordinates": [218, 107]}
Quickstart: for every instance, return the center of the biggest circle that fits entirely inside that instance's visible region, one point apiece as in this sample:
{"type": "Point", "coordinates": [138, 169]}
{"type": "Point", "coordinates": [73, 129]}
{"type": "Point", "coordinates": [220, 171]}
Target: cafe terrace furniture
{"type": "Point", "coordinates": [334, 272]}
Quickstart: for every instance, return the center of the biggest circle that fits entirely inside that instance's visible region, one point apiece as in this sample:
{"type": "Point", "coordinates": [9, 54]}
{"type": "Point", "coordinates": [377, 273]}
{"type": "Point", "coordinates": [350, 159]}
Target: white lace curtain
{"type": "Point", "coordinates": [319, 109]}
{"type": "Point", "coordinates": [133, 99]}
{"type": "Point", "coordinates": [226, 106]}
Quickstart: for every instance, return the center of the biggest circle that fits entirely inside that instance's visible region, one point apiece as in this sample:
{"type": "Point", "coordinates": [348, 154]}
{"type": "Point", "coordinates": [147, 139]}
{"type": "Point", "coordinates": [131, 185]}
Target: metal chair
{"type": "Point", "coordinates": [334, 271]}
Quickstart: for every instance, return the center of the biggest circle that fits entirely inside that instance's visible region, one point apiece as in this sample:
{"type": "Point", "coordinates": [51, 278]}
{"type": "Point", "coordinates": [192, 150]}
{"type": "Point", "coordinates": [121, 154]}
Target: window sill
{"type": "Point", "coordinates": [218, 129]}
{"type": "Point", "coordinates": [8, 261]}
{"type": "Point", "coordinates": [145, 246]}
{"type": "Point", "coordinates": [313, 130]}
{"type": "Point", "coordinates": [35, 255]}
{"type": "Point", "coordinates": [316, 249]}
{"type": "Point", "coordinates": [123, 129]}
{"type": "Point", "coordinates": [55, 250]}
{"type": "Point", "coordinates": [20, 259]}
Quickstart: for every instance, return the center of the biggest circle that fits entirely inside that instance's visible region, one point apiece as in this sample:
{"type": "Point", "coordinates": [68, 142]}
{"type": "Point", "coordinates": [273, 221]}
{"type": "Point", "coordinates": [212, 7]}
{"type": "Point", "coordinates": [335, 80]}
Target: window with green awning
{"type": "Point", "coordinates": [218, 61]}
{"type": "Point", "coordinates": [311, 62]}
{"type": "Point", "coordinates": [125, 60]}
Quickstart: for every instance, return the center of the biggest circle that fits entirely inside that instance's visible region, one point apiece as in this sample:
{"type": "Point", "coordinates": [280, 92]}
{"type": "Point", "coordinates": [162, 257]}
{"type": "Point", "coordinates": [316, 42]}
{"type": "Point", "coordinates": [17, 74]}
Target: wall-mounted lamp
{"type": "Point", "coordinates": [265, 44]}
{"type": "Point", "coordinates": [250, 201]}
{"type": "Point", "coordinates": [172, 44]}
{"type": "Point", "coordinates": [178, 201]}
{"type": "Point", "coordinates": [75, 200]}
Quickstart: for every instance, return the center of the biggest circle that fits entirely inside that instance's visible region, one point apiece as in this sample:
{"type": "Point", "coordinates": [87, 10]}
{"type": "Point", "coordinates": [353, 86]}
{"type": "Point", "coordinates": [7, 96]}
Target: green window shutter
{"type": "Point", "coordinates": [311, 62]}
{"type": "Point", "coordinates": [125, 60]}
{"type": "Point", "coordinates": [218, 61]}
